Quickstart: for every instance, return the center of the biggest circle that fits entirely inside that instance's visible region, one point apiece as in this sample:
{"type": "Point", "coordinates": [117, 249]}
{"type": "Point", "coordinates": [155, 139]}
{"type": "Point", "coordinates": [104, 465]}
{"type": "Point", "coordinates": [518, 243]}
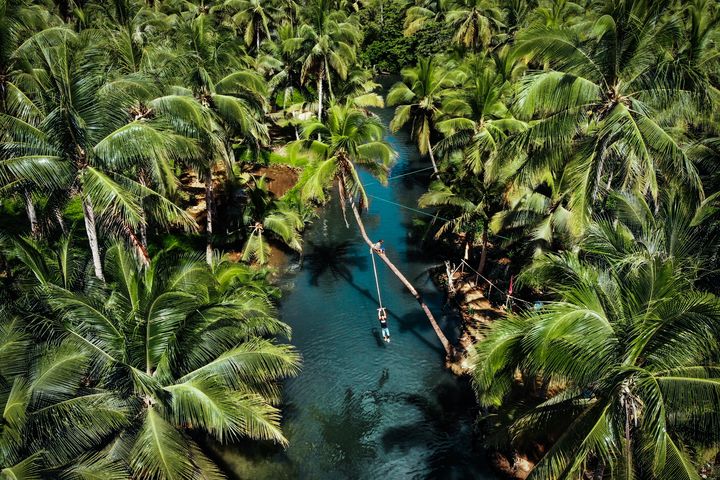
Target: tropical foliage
{"type": "Point", "coordinates": [574, 142]}
{"type": "Point", "coordinates": [574, 147]}
{"type": "Point", "coordinates": [135, 369]}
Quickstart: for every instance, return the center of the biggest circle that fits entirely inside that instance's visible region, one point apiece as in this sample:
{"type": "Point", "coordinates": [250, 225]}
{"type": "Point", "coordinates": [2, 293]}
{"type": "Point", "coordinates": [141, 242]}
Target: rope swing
{"type": "Point", "coordinates": [382, 315]}
{"type": "Point", "coordinates": [377, 284]}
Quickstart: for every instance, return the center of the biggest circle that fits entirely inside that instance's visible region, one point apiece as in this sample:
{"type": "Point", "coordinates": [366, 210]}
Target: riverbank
{"type": "Point", "coordinates": [474, 308]}
{"type": "Point", "coordinates": [477, 312]}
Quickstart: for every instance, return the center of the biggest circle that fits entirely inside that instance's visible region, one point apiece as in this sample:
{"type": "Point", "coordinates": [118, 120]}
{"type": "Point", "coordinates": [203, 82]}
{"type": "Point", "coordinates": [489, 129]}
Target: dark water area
{"type": "Point", "coordinates": [362, 408]}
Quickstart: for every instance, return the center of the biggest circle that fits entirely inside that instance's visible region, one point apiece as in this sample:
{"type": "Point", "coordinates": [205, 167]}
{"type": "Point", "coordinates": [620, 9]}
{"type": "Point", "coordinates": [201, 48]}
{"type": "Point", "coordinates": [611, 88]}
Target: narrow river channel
{"type": "Point", "coordinates": [363, 409]}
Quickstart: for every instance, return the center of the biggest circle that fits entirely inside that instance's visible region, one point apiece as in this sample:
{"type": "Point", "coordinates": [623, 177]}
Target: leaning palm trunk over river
{"type": "Point", "coordinates": [449, 350]}
{"type": "Point", "coordinates": [349, 137]}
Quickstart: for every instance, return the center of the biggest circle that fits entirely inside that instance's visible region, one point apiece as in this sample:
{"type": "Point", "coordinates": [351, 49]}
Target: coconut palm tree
{"type": "Point", "coordinates": [419, 98]}
{"type": "Point", "coordinates": [222, 109]}
{"type": "Point", "coordinates": [286, 52]}
{"type": "Point", "coordinates": [478, 120]}
{"type": "Point", "coordinates": [284, 76]}
{"type": "Point", "coordinates": [281, 222]}
{"type": "Point", "coordinates": [288, 11]}
{"type": "Point", "coordinates": [49, 412]}
{"type": "Point", "coordinates": [516, 14]}
{"type": "Point", "coordinates": [329, 41]}
{"type": "Point", "coordinates": [465, 207]}
{"type": "Point", "coordinates": [360, 88]}
{"type": "Point", "coordinates": [417, 16]}
{"type": "Point", "coordinates": [475, 22]}
{"type": "Point", "coordinates": [694, 63]}
{"type": "Point", "coordinates": [267, 217]}
{"type": "Point", "coordinates": [18, 20]}
{"type": "Point", "coordinates": [594, 108]}
{"type": "Point", "coordinates": [350, 138]}
{"type": "Point", "coordinates": [76, 140]}
{"type": "Point", "coordinates": [253, 17]}
{"type": "Point", "coordinates": [558, 13]}
{"type": "Point", "coordinates": [535, 218]}
{"type": "Point", "coordinates": [171, 353]}
{"type": "Point", "coordinates": [626, 342]}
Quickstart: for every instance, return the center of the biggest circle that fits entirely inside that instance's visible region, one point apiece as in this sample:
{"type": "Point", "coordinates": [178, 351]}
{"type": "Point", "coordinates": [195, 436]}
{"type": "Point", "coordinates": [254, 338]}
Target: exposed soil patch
{"type": "Point", "coordinates": [280, 178]}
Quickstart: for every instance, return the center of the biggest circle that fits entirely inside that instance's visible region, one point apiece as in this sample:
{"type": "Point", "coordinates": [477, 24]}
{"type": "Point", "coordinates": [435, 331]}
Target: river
{"type": "Point", "coordinates": [361, 408]}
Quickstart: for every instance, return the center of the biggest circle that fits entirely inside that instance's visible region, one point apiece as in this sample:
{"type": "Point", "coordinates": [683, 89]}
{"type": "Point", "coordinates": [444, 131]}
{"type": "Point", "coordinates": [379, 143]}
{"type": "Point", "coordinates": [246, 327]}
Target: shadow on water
{"type": "Point", "coordinates": [436, 431]}
{"type": "Point", "coordinates": [334, 258]}
{"type": "Point", "coordinates": [350, 440]}
{"type": "Point", "coordinates": [347, 433]}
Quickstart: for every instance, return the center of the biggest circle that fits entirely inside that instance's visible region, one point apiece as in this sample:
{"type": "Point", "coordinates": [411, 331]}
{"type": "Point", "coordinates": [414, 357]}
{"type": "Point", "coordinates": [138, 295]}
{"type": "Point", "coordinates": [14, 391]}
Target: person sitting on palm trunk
{"type": "Point", "coordinates": [378, 247]}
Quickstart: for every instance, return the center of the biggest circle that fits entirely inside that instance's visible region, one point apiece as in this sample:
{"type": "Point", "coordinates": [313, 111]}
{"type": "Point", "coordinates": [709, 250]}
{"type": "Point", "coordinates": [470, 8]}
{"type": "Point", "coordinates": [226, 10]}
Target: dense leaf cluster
{"type": "Point", "coordinates": [579, 139]}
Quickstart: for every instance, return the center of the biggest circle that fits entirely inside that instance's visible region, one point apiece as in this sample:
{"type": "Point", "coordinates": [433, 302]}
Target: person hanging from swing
{"type": "Point", "coordinates": [378, 247]}
{"type": "Point", "coordinates": [382, 316]}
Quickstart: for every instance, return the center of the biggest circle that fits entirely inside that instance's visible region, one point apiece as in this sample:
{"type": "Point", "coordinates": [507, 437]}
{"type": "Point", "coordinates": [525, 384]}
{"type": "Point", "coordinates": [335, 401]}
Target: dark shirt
{"type": "Point", "coordinates": [383, 323]}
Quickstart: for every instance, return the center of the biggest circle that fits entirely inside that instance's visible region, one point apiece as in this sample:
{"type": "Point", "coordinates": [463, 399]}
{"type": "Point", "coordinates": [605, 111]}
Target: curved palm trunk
{"type": "Point", "coordinates": [449, 350]}
{"type": "Point", "coordinates": [209, 197]}
{"type": "Point", "coordinates": [92, 237]}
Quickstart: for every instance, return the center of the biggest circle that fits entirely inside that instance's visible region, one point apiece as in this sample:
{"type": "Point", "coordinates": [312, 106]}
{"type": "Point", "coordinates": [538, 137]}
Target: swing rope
{"type": "Point", "coordinates": [377, 284]}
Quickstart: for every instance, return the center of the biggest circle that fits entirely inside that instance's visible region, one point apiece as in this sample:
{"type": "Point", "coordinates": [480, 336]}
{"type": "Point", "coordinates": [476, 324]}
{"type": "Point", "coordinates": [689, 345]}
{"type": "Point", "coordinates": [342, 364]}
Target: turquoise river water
{"type": "Point", "coordinates": [363, 409]}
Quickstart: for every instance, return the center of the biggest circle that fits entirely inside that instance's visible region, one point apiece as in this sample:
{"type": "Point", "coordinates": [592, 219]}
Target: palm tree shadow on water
{"type": "Point", "coordinates": [347, 434]}
{"type": "Point", "coordinates": [352, 439]}
{"type": "Point", "coordinates": [334, 258]}
{"type": "Point", "coordinates": [444, 429]}
{"type": "Point", "coordinates": [348, 444]}
{"type": "Point", "coordinates": [337, 259]}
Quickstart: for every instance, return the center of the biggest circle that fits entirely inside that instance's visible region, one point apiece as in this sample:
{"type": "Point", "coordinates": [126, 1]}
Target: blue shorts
{"type": "Point", "coordinates": [385, 332]}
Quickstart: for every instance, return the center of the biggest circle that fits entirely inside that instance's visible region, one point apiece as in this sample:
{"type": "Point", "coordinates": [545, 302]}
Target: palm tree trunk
{"type": "Point", "coordinates": [320, 95]}
{"type": "Point", "coordinates": [142, 178]}
{"type": "Point", "coordinates": [628, 447]}
{"type": "Point", "coordinates": [432, 157]}
{"type": "Point", "coordinates": [449, 350]}
{"type": "Point", "coordinates": [209, 203]}
{"type": "Point", "coordinates": [31, 213]}
{"type": "Point", "coordinates": [329, 81]}
{"type": "Point", "coordinates": [483, 253]}
{"type": "Point", "coordinates": [60, 219]}
{"type": "Point", "coordinates": [139, 246]}
{"type": "Point", "coordinates": [92, 237]}
{"type": "Point", "coordinates": [451, 284]}
{"type": "Point", "coordinates": [343, 195]}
